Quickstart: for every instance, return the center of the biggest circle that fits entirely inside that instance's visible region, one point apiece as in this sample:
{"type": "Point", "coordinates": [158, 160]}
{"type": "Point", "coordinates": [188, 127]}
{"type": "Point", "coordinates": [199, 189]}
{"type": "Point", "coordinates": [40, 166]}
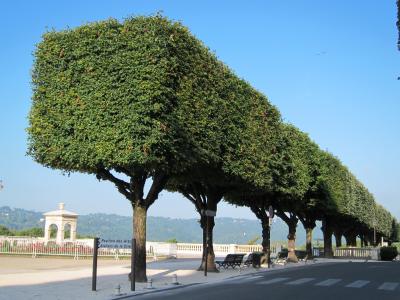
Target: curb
{"type": "Point", "coordinates": [159, 290]}
{"type": "Point", "coordinates": [174, 287]}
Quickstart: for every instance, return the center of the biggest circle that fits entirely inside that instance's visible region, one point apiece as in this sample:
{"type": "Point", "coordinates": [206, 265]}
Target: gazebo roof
{"type": "Point", "coordinates": [61, 212]}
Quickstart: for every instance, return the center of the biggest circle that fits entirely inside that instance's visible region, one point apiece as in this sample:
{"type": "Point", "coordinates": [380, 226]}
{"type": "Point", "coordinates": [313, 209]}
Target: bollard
{"type": "Point", "coordinates": [149, 284]}
{"type": "Point", "coordinates": [117, 290]}
{"type": "Point", "coordinates": [175, 279]}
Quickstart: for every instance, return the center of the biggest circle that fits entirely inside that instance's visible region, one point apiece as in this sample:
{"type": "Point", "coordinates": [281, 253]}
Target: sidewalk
{"type": "Point", "coordinates": [75, 282]}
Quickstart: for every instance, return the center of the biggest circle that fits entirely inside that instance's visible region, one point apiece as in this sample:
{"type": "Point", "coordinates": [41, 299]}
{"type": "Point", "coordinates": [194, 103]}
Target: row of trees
{"type": "Point", "coordinates": [144, 103]}
{"type": "Point", "coordinates": [33, 232]}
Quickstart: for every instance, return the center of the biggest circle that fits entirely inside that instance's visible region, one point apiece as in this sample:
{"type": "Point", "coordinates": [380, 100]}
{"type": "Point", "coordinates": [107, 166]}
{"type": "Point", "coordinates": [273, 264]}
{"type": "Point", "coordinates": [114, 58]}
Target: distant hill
{"type": "Point", "coordinates": [111, 226]}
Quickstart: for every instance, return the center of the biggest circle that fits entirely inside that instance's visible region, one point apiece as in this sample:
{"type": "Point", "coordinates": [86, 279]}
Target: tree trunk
{"type": "Point", "coordinates": [266, 239]}
{"type": "Point", "coordinates": [203, 223]}
{"type": "Point", "coordinates": [292, 242]}
{"type": "Point", "coordinates": [327, 231]}
{"type": "Point", "coordinates": [367, 240]}
{"type": "Point", "coordinates": [309, 225]}
{"type": "Point", "coordinates": [362, 240]}
{"type": "Point", "coordinates": [139, 229]}
{"type": "Point", "coordinates": [351, 239]}
{"type": "Point", "coordinates": [211, 267]}
{"type": "Point", "coordinates": [291, 222]}
{"type": "Point", "coordinates": [338, 239]}
{"type": "Point", "coordinates": [309, 232]}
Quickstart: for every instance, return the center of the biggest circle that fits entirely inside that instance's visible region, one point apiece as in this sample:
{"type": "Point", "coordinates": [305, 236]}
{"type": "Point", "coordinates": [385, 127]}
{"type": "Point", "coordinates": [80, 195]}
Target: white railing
{"type": "Point", "coordinates": [83, 248]}
{"type": "Point", "coordinates": [351, 252]}
{"type": "Point", "coordinates": [77, 249]}
{"type": "Point", "coordinates": [188, 249]}
{"type": "Point", "coordinates": [370, 253]}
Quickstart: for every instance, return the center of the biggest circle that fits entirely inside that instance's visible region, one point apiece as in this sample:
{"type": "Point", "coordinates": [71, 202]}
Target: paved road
{"type": "Point", "coordinates": [341, 281]}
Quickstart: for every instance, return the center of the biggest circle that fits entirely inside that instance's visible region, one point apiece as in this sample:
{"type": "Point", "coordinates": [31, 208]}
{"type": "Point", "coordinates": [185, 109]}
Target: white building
{"type": "Point", "coordinates": [60, 218]}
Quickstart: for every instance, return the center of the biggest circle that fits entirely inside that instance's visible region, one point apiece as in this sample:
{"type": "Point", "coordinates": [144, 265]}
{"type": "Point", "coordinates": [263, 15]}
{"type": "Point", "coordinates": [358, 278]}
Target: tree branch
{"type": "Point", "coordinates": [159, 182]}
{"type": "Point", "coordinates": [281, 214]}
{"type": "Point", "coordinates": [122, 186]}
{"type": "Point", "coordinates": [257, 211]}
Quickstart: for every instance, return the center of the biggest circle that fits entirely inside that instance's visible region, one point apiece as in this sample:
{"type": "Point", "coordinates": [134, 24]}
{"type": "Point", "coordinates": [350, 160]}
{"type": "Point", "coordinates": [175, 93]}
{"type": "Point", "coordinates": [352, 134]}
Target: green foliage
{"type": "Point", "coordinates": [144, 96]}
{"type": "Point", "coordinates": [32, 232]}
{"type": "Point", "coordinates": [172, 241]}
{"type": "Point", "coordinates": [388, 253]}
{"type": "Point", "coordinates": [254, 240]}
{"type": "Point", "coordinates": [111, 226]}
{"type": "Point", "coordinates": [103, 95]}
{"type": "Point", "coordinates": [5, 231]}
{"type": "Point", "coordinates": [395, 231]}
{"type": "Point", "coordinates": [142, 93]}
{"type": "Point", "coordinates": [397, 245]}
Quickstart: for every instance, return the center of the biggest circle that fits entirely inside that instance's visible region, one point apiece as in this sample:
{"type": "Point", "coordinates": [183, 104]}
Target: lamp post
{"type": "Point", "coordinates": [374, 228]}
{"type": "Point", "coordinates": [270, 217]}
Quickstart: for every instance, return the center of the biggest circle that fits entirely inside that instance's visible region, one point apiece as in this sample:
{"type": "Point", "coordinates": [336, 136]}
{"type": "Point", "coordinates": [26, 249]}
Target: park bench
{"type": "Point", "coordinates": [253, 259]}
{"type": "Point", "coordinates": [301, 255]}
{"type": "Point", "coordinates": [282, 256]}
{"type": "Point", "coordinates": [231, 260]}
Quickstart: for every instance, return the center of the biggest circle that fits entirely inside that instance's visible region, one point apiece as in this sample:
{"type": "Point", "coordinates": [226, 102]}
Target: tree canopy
{"type": "Point", "coordinates": [143, 98]}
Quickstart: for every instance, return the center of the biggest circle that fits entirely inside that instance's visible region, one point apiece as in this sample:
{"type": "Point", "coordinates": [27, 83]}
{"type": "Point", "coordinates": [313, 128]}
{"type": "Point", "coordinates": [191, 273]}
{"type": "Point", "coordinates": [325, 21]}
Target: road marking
{"type": "Point", "coordinates": [328, 282]}
{"type": "Point", "coordinates": [358, 284]}
{"type": "Point", "coordinates": [239, 280]}
{"type": "Point", "coordinates": [300, 281]}
{"type": "Point", "coordinates": [275, 280]}
{"type": "Point", "coordinates": [388, 286]}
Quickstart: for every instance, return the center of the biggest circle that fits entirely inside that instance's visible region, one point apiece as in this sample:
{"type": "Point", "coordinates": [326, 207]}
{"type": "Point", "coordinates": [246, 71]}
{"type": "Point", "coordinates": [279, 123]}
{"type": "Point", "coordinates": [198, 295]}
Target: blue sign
{"type": "Point", "coordinates": [115, 244]}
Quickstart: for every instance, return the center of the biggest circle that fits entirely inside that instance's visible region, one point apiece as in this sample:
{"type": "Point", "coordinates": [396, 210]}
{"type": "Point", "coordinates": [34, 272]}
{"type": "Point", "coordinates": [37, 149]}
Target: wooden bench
{"type": "Point", "coordinates": [231, 260]}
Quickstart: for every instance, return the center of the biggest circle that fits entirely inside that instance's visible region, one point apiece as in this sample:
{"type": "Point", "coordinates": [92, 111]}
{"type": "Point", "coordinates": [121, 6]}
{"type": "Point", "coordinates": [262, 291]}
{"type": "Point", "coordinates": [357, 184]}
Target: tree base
{"type": "Point", "coordinates": [292, 259]}
{"type": "Point", "coordinates": [137, 278]}
{"type": "Point", "coordinates": [209, 270]}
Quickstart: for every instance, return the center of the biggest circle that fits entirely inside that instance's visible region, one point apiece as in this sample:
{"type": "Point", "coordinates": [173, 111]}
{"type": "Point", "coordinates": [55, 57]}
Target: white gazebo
{"type": "Point", "coordinates": [60, 218]}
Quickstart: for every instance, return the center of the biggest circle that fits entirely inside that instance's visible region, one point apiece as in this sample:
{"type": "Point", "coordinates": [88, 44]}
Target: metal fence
{"type": "Point", "coordinates": [76, 249]}
{"type": "Point", "coordinates": [84, 248]}
{"type": "Point", "coordinates": [350, 252]}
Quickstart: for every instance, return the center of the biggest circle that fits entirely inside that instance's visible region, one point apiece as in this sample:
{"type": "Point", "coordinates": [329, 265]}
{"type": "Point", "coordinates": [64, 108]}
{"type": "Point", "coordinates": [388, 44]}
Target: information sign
{"type": "Point", "coordinates": [115, 244]}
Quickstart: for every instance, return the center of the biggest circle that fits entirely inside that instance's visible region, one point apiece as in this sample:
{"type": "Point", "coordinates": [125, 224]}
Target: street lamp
{"type": "Point", "coordinates": [270, 217]}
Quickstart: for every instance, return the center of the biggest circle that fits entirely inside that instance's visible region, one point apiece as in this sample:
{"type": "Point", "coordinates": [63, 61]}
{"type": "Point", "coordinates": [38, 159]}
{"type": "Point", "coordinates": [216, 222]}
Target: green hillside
{"type": "Point", "coordinates": [111, 226]}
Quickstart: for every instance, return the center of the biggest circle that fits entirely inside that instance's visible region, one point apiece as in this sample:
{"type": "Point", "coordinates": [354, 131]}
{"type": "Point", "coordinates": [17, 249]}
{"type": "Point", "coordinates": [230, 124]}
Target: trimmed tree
{"type": "Point", "coordinates": [131, 103]}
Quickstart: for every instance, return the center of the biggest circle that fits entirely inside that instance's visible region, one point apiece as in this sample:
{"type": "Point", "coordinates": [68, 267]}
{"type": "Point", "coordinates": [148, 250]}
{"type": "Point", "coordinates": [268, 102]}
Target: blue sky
{"type": "Point", "coordinates": [331, 67]}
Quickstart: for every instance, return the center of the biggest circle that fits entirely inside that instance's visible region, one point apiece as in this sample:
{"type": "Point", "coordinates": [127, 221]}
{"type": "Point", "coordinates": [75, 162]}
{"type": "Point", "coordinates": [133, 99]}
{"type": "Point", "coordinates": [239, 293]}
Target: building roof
{"type": "Point", "coordinates": [61, 212]}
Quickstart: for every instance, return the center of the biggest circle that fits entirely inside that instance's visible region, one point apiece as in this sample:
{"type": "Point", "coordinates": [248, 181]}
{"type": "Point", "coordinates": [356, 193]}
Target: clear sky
{"type": "Point", "coordinates": [331, 67]}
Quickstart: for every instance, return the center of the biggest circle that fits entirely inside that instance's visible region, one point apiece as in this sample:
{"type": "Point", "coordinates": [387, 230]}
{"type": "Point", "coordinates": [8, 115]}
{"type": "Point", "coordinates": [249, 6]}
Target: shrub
{"type": "Point", "coordinates": [172, 241]}
{"type": "Point", "coordinates": [388, 253]}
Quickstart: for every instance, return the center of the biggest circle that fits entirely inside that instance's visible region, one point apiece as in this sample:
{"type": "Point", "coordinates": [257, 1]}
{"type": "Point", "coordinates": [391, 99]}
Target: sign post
{"type": "Point", "coordinates": [94, 270]}
{"type": "Point", "coordinates": [270, 217]}
{"type": "Point", "coordinates": [113, 244]}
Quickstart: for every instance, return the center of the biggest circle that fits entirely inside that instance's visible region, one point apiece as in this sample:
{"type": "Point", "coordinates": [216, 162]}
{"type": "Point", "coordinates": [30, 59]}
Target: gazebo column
{"type": "Point", "coordinates": [60, 233]}
{"type": "Point", "coordinates": [72, 231]}
{"type": "Point", "coordinates": [46, 233]}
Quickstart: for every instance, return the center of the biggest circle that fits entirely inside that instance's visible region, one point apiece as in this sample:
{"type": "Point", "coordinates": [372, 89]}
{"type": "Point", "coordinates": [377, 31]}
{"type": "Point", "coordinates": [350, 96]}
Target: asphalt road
{"type": "Point", "coordinates": [338, 281]}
